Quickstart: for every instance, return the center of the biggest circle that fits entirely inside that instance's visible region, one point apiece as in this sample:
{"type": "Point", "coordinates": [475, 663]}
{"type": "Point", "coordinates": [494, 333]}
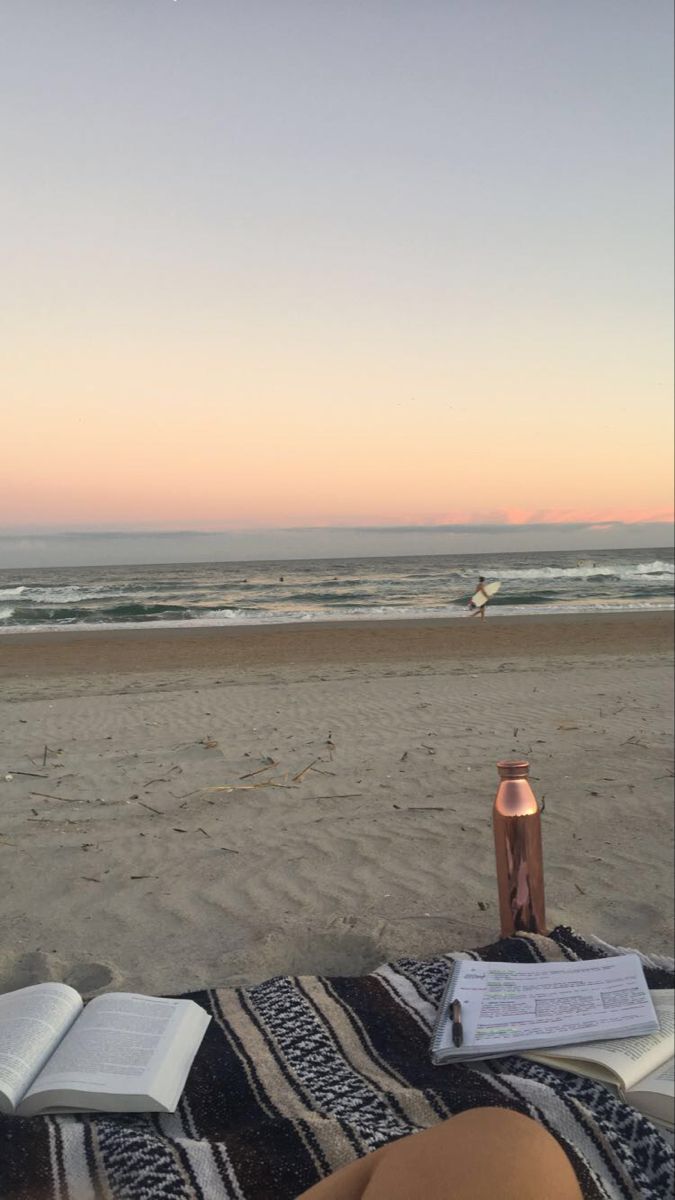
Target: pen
{"type": "Point", "coordinates": [456, 1017]}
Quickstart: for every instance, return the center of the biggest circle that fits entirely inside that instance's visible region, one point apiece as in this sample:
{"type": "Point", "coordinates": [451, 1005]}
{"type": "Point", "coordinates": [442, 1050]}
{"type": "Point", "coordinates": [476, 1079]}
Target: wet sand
{"type": "Point", "coordinates": [333, 643]}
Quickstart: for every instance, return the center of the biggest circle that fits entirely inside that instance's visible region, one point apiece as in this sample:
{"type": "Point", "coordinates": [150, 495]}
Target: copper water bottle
{"type": "Point", "coordinates": [516, 822]}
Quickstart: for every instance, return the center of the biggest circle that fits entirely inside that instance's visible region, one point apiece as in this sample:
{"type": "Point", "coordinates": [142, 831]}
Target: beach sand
{"type": "Point", "coordinates": [356, 764]}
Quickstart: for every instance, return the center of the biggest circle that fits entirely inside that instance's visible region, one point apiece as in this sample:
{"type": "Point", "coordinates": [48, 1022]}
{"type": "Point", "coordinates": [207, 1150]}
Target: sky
{"type": "Point", "coordinates": [337, 266]}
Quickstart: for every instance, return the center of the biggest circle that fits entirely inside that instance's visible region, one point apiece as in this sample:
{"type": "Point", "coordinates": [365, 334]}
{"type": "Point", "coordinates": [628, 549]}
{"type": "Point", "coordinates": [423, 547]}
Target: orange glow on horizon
{"type": "Point", "coordinates": [192, 433]}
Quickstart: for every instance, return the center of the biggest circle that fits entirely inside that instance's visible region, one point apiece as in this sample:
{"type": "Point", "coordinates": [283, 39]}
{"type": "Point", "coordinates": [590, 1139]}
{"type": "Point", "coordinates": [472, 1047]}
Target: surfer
{"type": "Point", "coordinates": [479, 610]}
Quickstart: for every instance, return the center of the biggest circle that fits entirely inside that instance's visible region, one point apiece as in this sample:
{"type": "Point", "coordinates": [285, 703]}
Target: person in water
{"type": "Point", "coordinates": [480, 608]}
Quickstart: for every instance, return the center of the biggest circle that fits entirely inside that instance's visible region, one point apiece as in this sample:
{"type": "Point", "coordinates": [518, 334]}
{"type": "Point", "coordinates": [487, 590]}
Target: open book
{"type": "Point", "coordinates": [642, 1068]}
{"type": "Point", "coordinates": [510, 1007]}
{"type": "Point", "coordinates": [120, 1053]}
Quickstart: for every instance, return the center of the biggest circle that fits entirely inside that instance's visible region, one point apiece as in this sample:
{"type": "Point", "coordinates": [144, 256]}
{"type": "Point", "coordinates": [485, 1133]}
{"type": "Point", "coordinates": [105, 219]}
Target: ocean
{"type": "Point", "coordinates": [249, 593]}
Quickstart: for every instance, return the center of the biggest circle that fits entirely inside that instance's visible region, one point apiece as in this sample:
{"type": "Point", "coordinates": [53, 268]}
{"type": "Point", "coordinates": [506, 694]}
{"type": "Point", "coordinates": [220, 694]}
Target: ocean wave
{"type": "Point", "coordinates": [592, 570]}
{"type": "Point", "coordinates": [356, 613]}
{"type": "Point", "coordinates": [329, 597]}
{"type": "Point", "coordinates": [6, 612]}
{"type": "Point", "coordinates": [655, 568]}
{"type": "Point", "coordinates": [131, 610]}
{"type": "Point", "coordinates": [71, 614]}
{"type": "Point", "coordinates": [8, 593]}
{"type": "Point", "coordinates": [67, 594]}
{"type": "Point", "coordinates": [523, 599]}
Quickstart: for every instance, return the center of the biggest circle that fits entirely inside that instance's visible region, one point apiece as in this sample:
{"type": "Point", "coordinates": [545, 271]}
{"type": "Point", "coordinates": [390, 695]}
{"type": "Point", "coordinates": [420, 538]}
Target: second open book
{"type": "Point", "coordinates": [641, 1068]}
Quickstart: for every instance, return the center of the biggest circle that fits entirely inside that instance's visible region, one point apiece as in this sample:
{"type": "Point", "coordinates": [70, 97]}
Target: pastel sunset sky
{"type": "Point", "coordinates": [284, 263]}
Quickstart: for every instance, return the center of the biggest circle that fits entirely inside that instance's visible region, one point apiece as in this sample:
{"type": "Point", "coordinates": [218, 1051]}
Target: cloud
{"type": "Point", "coordinates": [528, 517]}
{"type": "Point", "coordinates": [146, 547]}
{"type": "Point", "coordinates": [498, 527]}
{"type": "Point", "coordinates": [435, 527]}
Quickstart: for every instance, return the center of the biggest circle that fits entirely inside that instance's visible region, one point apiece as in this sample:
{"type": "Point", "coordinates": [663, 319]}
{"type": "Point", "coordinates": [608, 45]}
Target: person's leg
{"type": "Point", "coordinates": [483, 1154]}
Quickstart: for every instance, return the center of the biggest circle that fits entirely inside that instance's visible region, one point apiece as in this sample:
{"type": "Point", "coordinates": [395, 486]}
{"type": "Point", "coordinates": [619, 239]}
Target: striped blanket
{"type": "Point", "coordinates": [297, 1076]}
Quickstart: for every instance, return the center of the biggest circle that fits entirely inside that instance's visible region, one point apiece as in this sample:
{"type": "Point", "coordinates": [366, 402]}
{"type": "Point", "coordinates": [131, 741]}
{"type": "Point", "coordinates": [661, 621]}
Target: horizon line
{"type": "Point", "coordinates": [495, 527]}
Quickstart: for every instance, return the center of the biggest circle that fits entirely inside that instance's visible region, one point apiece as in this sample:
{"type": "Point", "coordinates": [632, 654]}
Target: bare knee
{"type": "Point", "coordinates": [482, 1154]}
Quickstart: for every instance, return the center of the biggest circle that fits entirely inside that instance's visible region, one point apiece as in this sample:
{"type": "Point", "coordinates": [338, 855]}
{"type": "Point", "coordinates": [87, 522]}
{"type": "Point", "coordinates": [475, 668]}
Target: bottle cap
{"type": "Point", "coordinates": [517, 768]}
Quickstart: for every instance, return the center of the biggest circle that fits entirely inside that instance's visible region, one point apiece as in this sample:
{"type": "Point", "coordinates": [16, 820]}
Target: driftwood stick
{"type": "Point", "coordinates": [68, 799]}
{"type": "Point", "coordinates": [33, 774]}
{"type": "Point", "coordinates": [259, 771]}
{"type": "Point", "coordinates": [250, 787]}
{"type": "Point", "coordinates": [159, 811]}
{"type": "Point", "coordinates": [421, 808]}
{"type": "Point", "coordinates": [300, 775]}
{"type": "Point", "coordinates": [343, 796]}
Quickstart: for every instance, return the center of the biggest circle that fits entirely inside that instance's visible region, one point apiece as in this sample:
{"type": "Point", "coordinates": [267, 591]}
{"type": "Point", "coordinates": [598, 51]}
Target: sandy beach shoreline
{"type": "Point", "coordinates": [246, 647]}
{"type": "Point", "coordinates": [214, 806]}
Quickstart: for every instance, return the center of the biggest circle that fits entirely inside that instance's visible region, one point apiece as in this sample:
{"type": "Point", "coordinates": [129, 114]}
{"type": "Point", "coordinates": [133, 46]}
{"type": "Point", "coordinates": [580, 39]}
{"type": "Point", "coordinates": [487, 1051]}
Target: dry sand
{"type": "Point", "coordinates": [357, 769]}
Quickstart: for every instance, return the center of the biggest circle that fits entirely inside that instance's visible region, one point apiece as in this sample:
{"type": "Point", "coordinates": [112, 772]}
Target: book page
{"type": "Point", "coordinates": [661, 1081]}
{"type": "Point", "coordinates": [628, 1060]}
{"type": "Point", "coordinates": [655, 1095]}
{"type": "Point", "coordinates": [118, 1047]}
{"type": "Point", "coordinates": [33, 1021]}
{"type": "Point", "coordinates": [507, 1007]}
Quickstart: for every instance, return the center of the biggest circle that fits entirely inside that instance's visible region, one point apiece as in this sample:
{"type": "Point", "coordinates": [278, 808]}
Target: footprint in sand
{"type": "Point", "coordinates": [89, 977]}
{"type": "Point", "coordinates": [39, 967]}
{"type": "Point", "coordinates": [34, 967]}
{"type": "Point", "coordinates": [338, 950]}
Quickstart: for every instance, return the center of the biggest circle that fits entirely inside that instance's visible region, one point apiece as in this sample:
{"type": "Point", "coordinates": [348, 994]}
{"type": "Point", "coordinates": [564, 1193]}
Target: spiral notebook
{"type": "Point", "coordinates": [508, 1008]}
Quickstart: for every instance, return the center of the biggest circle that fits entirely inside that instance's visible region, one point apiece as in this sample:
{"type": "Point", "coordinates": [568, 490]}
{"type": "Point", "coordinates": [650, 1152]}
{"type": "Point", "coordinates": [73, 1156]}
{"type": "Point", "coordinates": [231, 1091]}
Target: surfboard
{"type": "Point", "coordinates": [480, 598]}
